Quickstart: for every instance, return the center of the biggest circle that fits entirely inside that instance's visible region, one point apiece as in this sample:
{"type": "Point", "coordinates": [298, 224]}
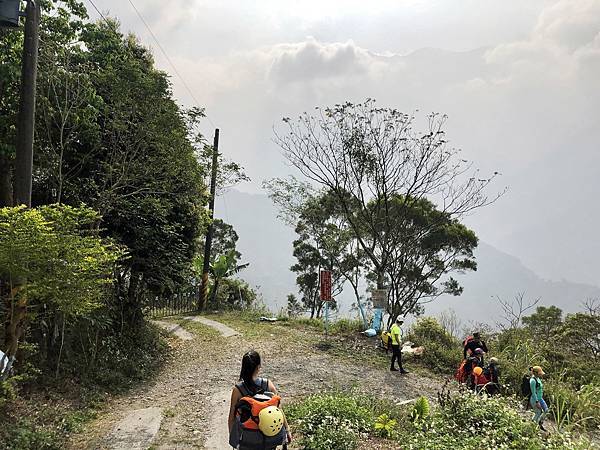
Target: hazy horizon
{"type": "Point", "coordinates": [517, 80]}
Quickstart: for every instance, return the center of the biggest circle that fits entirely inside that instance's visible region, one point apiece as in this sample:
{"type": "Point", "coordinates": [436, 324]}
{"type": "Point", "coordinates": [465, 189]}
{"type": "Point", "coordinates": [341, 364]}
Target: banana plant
{"type": "Point", "coordinates": [223, 266]}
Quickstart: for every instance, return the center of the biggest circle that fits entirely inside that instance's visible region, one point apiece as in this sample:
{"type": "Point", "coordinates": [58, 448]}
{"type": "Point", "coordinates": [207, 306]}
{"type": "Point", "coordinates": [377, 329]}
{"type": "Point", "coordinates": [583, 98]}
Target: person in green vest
{"type": "Point", "coordinates": [396, 337]}
{"type": "Point", "coordinates": [537, 396]}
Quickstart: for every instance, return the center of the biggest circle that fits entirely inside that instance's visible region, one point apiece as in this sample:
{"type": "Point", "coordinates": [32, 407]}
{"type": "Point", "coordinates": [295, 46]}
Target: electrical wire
{"type": "Point", "coordinates": [187, 88]}
{"type": "Point", "coordinates": [168, 58]}
{"type": "Point", "coordinates": [98, 11]}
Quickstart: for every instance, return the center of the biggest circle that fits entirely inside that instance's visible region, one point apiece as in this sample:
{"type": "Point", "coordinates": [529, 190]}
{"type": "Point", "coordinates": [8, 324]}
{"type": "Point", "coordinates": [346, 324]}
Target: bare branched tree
{"type": "Point", "coordinates": [373, 160]}
{"type": "Point", "coordinates": [450, 322]}
{"type": "Point", "coordinates": [592, 306]}
{"type": "Point", "coordinates": [514, 310]}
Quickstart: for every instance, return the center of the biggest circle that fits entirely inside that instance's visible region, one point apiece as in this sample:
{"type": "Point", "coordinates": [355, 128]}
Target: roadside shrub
{"type": "Point", "coordinates": [25, 435]}
{"type": "Point", "coordinates": [442, 351]}
{"type": "Point", "coordinates": [312, 323]}
{"type": "Point", "coordinates": [128, 358]}
{"type": "Point", "coordinates": [572, 409]}
{"type": "Point", "coordinates": [331, 435]}
{"type": "Point", "coordinates": [331, 421]}
{"type": "Point", "coordinates": [468, 421]}
{"type": "Point", "coordinates": [346, 326]}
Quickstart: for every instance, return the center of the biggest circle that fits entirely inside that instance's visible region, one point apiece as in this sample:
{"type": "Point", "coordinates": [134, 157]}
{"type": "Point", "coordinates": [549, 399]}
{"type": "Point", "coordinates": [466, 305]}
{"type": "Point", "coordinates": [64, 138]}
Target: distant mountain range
{"type": "Point", "coordinates": [266, 243]}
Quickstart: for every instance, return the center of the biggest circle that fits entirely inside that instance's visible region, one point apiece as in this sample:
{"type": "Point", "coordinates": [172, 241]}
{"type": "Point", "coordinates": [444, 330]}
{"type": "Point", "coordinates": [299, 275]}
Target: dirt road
{"type": "Point", "coordinates": [192, 391]}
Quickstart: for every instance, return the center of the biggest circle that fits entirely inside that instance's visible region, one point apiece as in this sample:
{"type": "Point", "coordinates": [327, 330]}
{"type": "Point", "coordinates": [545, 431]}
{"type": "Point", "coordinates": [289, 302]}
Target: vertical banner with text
{"type": "Point", "coordinates": [325, 283]}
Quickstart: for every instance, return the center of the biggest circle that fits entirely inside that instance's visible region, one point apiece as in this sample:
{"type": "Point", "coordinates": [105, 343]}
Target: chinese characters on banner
{"type": "Point", "coordinates": [325, 283]}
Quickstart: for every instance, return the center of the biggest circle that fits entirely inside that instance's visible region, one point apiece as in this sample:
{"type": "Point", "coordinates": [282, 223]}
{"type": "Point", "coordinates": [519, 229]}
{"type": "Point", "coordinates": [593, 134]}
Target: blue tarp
{"type": "Point", "coordinates": [377, 319]}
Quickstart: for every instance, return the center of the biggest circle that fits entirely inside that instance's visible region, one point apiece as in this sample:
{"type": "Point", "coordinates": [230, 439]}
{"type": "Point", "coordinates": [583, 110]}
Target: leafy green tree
{"type": "Point", "coordinates": [321, 225]}
{"type": "Point", "coordinates": [581, 334]}
{"type": "Point", "coordinates": [313, 255]}
{"type": "Point", "coordinates": [235, 294]}
{"type": "Point", "coordinates": [223, 267]}
{"type": "Point", "coordinates": [66, 264]}
{"type": "Point", "coordinates": [545, 322]}
{"type": "Point", "coordinates": [294, 308]}
{"type": "Point", "coordinates": [125, 152]}
{"type": "Point", "coordinates": [224, 240]}
{"type": "Point", "coordinates": [426, 246]}
{"type": "Point", "coordinates": [372, 161]}
{"type": "Point", "coordinates": [11, 45]}
{"type": "Point", "coordinates": [224, 261]}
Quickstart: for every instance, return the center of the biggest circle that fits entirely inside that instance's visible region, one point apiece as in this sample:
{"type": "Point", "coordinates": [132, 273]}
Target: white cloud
{"type": "Point", "coordinates": [523, 100]}
{"type": "Point", "coordinates": [309, 60]}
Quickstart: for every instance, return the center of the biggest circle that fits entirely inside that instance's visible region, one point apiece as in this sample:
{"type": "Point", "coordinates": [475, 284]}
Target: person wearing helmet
{"type": "Point", "coordinates": [536, 400]}
{"type": "Point", "coordinates": [396, 337]}
{"type": "Point", "coordinates": [473, 361]}
{"type": "Point", "coordinates": [271, 420]}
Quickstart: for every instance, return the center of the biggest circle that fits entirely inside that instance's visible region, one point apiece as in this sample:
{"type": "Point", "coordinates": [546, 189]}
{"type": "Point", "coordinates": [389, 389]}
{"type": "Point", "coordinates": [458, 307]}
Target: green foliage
{"type": "Point", "coordinates": [573, 409]}
{"type": "Point", "coordinates": [234, 294]}
{"type": "Point", "coordinates": [293, 308]}
{"type": "Point", "coordinates": [468, 421]}
{"type": "Point", "coordinates": [123, 360]}
{"type": "Point", "coordinates": [545, 322]}
{"type": "Point", "coordinates": [346, 326]}
{"type": "Point", "coordinates": [580, 335]}
{"type": "Point", "coordinates": [385, 425]}
{"type": "Point", "coordinates": [331, 421]}
{"type": "Point", "coordinates": [442, 351]}
{"type": "Point", "coordinates": [566, 352]}
{"type": "Point", "coordinates": [421, 410]}
{"type": "Point", "coordinates": [330, 436]}
{"type": "Point", "coordinates": [25, 435]}
{"type": "Point", "coordinates": [62, 258]}
{"type": "Point", "coordinates": [517, 354]}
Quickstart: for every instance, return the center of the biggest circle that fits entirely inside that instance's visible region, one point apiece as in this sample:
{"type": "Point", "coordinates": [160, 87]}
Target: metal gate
{"type": "Point", "coordinates": [179, 303]}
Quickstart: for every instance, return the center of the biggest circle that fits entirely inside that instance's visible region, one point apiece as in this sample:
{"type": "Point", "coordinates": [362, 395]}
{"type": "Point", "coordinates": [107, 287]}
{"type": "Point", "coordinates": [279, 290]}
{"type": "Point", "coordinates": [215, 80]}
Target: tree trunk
{"type": "Point", "coordinates": [6, 197]}
{"type": "Point", "coordinates": [132, 311]}
{"type": "Point", "coordinates": [213, 294]}
{"type": "Point", "coordinates": [17, 307]}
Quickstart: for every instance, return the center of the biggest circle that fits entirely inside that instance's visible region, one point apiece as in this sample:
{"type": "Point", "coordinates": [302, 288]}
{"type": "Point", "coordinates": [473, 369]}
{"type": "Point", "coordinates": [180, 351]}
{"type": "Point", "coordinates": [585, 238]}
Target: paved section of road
{"type": "Point", "coordinates": [175, 329]}
{"type": "Point", "coordinates": [136, 431]}
{"type": "Point", "coordinates": [223, 329]}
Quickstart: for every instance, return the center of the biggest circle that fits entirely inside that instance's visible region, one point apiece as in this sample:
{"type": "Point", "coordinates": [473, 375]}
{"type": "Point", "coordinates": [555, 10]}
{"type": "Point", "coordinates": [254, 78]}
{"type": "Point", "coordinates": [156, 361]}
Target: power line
{"type": "Point", "coordinates": [161, 49]}
{"type": "Point", "coordinates": [98, 11]}
{"type": "Point", "coordinates": [167, 58]}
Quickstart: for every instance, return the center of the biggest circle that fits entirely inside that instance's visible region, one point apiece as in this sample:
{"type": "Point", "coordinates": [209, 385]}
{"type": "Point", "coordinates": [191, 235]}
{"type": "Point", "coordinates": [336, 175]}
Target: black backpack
{"type": "Point", "coordinates": [526, 386]}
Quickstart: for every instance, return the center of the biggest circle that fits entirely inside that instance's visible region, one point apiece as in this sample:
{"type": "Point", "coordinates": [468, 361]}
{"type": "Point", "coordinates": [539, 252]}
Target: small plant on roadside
{"type": "Point", "coordinates": [386, 426]}
{"type": "Point", "coordinates": [420, 410]}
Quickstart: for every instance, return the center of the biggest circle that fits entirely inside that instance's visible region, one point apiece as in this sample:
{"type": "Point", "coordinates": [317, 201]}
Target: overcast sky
{"type": "Point", "coordinates": [518, 79]}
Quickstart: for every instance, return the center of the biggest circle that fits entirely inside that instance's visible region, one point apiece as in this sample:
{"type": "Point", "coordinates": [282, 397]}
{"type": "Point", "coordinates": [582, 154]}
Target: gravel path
{"type": "Point", "coordinates": [193, 390]}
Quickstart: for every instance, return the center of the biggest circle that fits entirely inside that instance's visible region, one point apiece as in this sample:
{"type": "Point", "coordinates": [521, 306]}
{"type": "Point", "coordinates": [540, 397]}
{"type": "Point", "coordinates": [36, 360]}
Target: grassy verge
{"type": "Point", "coordinates": [347, 421]}
{"type": "Point", "coordinates": [47, 410]}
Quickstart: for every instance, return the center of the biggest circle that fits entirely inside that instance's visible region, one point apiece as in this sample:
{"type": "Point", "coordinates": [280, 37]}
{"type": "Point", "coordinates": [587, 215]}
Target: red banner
{"type": "Point", "coordinates": [325, 282]}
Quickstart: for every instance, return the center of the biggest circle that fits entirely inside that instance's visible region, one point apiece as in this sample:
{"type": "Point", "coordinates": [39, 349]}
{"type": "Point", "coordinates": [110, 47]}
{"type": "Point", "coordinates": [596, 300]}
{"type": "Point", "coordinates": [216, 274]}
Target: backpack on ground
{"type": "Point", "coordinates": [261, 420]}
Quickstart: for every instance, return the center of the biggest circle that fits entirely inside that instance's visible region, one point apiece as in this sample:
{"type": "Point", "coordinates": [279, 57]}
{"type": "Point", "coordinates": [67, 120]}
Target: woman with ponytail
{"type": "Point", "coordinates": [249, 384]}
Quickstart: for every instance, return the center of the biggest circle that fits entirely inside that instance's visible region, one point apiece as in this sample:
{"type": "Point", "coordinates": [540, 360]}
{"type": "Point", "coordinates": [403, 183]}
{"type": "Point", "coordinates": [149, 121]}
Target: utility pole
{"type": "Point", "coordinates": [209, 233]}
{"type": "Point", "coordinates": [26, 118]}
{"type": "Point", "coordinates": [9, 18]}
